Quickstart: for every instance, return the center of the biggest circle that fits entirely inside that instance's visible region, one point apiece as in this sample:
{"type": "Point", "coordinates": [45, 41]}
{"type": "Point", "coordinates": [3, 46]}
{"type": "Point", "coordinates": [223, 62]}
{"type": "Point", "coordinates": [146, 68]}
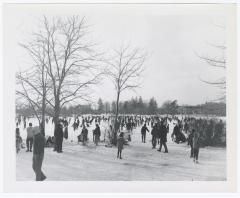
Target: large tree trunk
{"type": "Point", "coordinates": [116, 124]}
{"type": "Point", "coordinates": [43, 113]}
{"type": "Point", "coordinates": [56, 115]}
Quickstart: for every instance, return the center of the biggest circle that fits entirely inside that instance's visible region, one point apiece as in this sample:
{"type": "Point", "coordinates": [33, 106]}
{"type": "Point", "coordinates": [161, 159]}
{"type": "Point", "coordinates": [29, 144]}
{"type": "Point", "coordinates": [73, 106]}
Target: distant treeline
{"type": "Point", "coordinates": [136, 106]}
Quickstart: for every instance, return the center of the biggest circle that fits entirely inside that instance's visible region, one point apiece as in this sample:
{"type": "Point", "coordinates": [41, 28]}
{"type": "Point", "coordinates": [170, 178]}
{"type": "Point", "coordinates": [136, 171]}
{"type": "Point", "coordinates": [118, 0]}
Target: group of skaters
{"type": "Point", "coordinates": [196, 132]}
{"type": "Point", "coordinates": [193, 131]}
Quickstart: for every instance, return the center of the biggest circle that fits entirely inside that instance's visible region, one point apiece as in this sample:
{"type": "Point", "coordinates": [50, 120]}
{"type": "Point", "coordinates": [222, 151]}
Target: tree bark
{"type": "Point", "coordinates": [43, 112]}
{"type": "Point", "coordinates": [56, 115]}
{"type": "Point", "coordinates": [116, 125]}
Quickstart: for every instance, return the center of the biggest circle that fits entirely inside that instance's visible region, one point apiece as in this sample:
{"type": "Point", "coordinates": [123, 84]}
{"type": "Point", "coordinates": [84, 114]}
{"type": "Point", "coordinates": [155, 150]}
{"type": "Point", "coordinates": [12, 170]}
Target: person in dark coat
{"type": "Point", "coordinates": [175, 134]}
{"type": "Point", "coordinates": [66, 132]}
{"type": "Point", "coordinates": [190, 142]}
{"type": "Point", "coordinates": [129, 129]}
{"type": "Point", "coordinates": [143, 132]}
{"type": "Point", "coordinates": [196, 146]}
{"type": "Point", "coordinates": [179, 136]}
{"type": "Point", "coordinates": [84, 134]}
{"type": "Point", "coordinates": [38, 153]}
{"type": "Point", "coordinates": [154, 136]}
{"type": "Point", "coordinates": [158, 132]}
{"type": "Point", "coordinates": [163, 137]}
{"type": "Point", "coordinates": [120, 142]}
{"type": "Point", "coordinates": [18, 140]}
{"type": "Point", "coordinates": [97, 134]}
{"type": "Point", "coordinates": [59, 138]}
{"type": "Point", "coordinates": [29, 140]}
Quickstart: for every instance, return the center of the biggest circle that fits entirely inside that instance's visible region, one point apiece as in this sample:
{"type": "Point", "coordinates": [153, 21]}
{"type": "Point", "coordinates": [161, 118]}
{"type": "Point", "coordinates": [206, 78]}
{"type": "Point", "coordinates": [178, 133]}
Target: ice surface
{"type": "Point", "coordinates": [140, 161]}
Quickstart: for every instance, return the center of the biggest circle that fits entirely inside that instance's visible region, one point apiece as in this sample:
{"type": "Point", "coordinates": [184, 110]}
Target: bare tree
{"type": "Point", "coordinates": [33, 83]}
{"type": "Point", "coordinates": [218, 62]}
{"type": "Point", "coordinates": [126, 67]}
{"type": "Point", "coordinates": [70, 62]}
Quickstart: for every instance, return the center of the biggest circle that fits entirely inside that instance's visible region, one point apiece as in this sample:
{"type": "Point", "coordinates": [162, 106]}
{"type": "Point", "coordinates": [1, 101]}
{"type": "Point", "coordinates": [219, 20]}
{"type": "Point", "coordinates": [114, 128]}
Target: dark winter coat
{"type": "Point", "coordinates": [144, 130]}
{"type": "Point", "coordinates": [85, 134]}
{"type": "Point", "coordinates": [66, 132]}
{"type": "Point", "coordinates": [120, 142]}
{"type": "Point", "coordinates": [190, 139]}
{"type": "Point", "coordinates": [196, 142]}
{"type": "Point", "coordinates": [129, 126]}
{"type": "Point", "coordinates": [97, 131]}
{"type": "Point", "coordinates": [154, 131]}
{"type": "Point", "coordinates": [163, 133]}
{"type": "Point", "coordinates": [38, 144]}
{"type": "Point", "coordinates": [59, 133]}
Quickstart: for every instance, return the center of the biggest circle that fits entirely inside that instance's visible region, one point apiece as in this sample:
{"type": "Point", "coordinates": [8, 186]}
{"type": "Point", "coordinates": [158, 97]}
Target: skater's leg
{"type": "Point", "coordinates": [55, 143]}
{"type": "Point", "coordinates": [60, 145]}
{"type": "Point", "coordinates": [197, 152]}
{"type": "Point", "coordinates": [118, 153]}
{"type": "Point", "coordinates": [191, 151]}
{"type": "Point", "coordinates": [160, 147]}
{"type": "Point", "coordinates": [155, 142]}
{"type": "Point", "coordinates": [194, 154]}
{"type": "Point", "coordinates": [27, 143]}
{"type": "Point", "coordinates": [165, 147]}
{"type": "Point", "coordinates": [31, 144]}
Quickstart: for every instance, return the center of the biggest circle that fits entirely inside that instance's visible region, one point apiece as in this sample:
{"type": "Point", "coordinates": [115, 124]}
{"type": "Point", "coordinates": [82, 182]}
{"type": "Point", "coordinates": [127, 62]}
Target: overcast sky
{"type": "Point", "coordinates": [170, 34]}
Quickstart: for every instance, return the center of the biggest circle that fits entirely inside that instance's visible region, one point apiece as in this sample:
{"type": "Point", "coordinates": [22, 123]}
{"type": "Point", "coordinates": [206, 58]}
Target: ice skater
{"type": "Point", "coordinates": [29, 140]}
{"type": "Point", "coordinates": [163, 136]}
{"type": "Point", "coordinates": [18, 140]}
{"type": "Point", "coordinates": [196, 137]}
{"type": "Point", "coordinates": [84, 135]}
{"type": "Point", "coordinates": [120, 142]}
{"type": "Point", "coordinates": [143, 132]}
{"type": "Point", "coordinates": [190, 142]}
{"type": "Point", "coordinates": [154, 136]}
{"type": "Point", "coordinates": [97, 134]}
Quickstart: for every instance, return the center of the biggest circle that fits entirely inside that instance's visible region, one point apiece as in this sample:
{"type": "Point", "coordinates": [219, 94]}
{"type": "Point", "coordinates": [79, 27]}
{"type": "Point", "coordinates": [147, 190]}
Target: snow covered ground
{"type": "Point", "coordinates": [140, 161]}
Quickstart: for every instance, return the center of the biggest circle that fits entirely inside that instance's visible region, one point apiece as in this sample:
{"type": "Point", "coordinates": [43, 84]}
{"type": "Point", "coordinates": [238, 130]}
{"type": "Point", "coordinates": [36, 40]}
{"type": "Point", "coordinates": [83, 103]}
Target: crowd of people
{"type": "Point", "coordinates": [196, 132]}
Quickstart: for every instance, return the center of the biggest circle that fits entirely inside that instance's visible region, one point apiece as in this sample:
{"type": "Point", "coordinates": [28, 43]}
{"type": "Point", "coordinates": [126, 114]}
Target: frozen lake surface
{"type": "Point", "coordinates": [140, 161]}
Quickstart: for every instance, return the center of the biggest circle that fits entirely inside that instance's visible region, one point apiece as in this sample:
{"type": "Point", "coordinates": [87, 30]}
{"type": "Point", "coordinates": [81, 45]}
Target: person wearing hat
{"type": "Point", "coordinates": [38, 153]}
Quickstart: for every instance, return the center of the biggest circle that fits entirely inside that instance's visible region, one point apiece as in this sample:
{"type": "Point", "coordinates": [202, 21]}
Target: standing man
{"type": "Point", "coordinates": [84, 134]}
{"type": "Point", "coordinates": [24, 123]}
{"type": "Point", "coordinates": [154, 136]}
{"type": "Point", "coordinates": [163, 137]}
{"type": "Point", "coordinates": [196, 146]}
{"type": "Point", "coordinates": [129, 129]}
{"type": "Point", "coordinates": [97, 134]}
{"type": "Point", "coordinates": [190, 142]}
{"type": "Point", "coordinates": [38, 153]}
{"type": "Point", "coordinates": [29, 140]}
{"type": "Point", "coordinates": [143, 132]}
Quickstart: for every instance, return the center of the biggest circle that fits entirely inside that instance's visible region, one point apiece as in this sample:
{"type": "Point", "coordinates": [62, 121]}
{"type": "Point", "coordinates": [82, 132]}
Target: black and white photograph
{"type": "Point", "coordinates": [120, 92]}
